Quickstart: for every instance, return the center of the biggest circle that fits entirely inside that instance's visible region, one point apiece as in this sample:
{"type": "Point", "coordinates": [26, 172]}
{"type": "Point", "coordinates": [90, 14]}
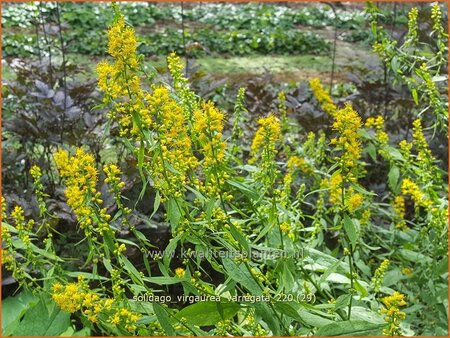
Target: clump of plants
{"type": "Point", "coordinates": [288, 240]}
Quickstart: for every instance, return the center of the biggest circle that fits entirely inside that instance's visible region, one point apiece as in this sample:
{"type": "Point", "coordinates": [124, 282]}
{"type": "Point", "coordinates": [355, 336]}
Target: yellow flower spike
{"type": "Point", "coordinates": [377, 279]}
{"type": "Point", "coordinates": [335, 184]}
{"type": "Point", "coordinates": [394, 315]}
{"type": "Point", "coordinates": [355, 201]}
{"type": "Point", "coordinates": [267, 135]}
{"type": "Point", "coordinates": [346, 123]}
{"type": "Point", "coordinates": [80, 177]}
{"type": "Point", "coordinates": [35, 172]}
{"type": "Point", "coordinates": [412, 189]}
{"type": "Point", "coordinates": [323, 97]}
{"type": "Point", "coordinates": [175, 144]}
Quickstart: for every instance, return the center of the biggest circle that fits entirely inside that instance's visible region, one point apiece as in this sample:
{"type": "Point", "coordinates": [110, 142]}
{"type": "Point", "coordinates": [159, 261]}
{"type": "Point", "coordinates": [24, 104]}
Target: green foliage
{"type": "Point", "coordinates": [419, 62]}
{"type": "Point", "coordinates": [180, 226]}
{"type": "Point", "coordinates": [257, 30]}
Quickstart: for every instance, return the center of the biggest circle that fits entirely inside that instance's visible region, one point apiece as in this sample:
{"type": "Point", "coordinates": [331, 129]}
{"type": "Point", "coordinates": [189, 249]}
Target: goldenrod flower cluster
{"type": "Point", "coordinates": [405, 149]}
{"type": "Point", "coordinates": [285, 127]}
{"type": "Point", "coordinates": [420, 143]}
{"type": "Point", "coordinates": [285, 227]}
{"type": "Point", "coordinates": [424, 159]}
{"type": "Point", "coordinates": [353, 200]}
{"type": "Point", "coordinates": [120, 80]}
{"type": "Point", "coordinates": [322, 97]}
{"type": "Point", "coordinates": [377, 279]}
{"type": "Point", "coordinates": [237, 132]}
{"type": "Point", "coordinates": [113, 177]}
{"type": "Point", "coordinates": [399, 208]}
{"type": "Point", "coordinates": [36, 173]}
{"type": "Point", "coordinates": [294, 164]}
{"type": "Point", "coordinates": [254, 326]}
{"type": "Point", "coordinates": [407, 271]}
{"type": "Point", "coordinates": [412, 26]}
{"type": "Point", "coordinates": [335, 184]}
{"type": "Point", "coordinates": [80, 177]}
{"type": "Point", "coordinates": [116, 79]}
{"type": "Point", "coordinates": [264, 147]}
{"type": "Point", "coordinates": [412, 189]}
{"type": "Point", "coordinates": [122, 43]}
{"type": "Point", "coordinates": [347, 122]}
{"type": "Point", "coordinates": [24, 228]}
{"type": "Point", "coordinates": [74, 297]}
{"type": "Point", "coordinates": [180, 272]}
{"type": "Point", "coordinates": [8, 251]}
{"type": "Point", "coordinates": [180, 84]}
{"type": "Point", "coordinates": [393, 314]}
{"type": "Point", "coordinates": [266, 136]}
{"type": "Point", "coordinates": [175, 144]}
{"type": "Point", "coordinates": [117, 281]}
{"type": "Point", "coordinates": [378, 124]}
{"type": "Point", "coordinates": [297, 162]}
{"type": "Point", "coordinates": [8, 259]}
{"type": "Point", "coordinates": [436, 16]}
{"type": "Point", "coordinates": [126, 318]}
{"type": "Point", "coordinates": [4, 215]}
{"type": "Point", "coordinates": [208, 127]}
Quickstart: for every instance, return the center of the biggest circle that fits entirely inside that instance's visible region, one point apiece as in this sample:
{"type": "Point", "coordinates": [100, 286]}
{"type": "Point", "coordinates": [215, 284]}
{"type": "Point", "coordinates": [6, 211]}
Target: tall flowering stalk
{"type": "Point", "coordinates": [81, 178]}
{"type": "Point", "coordinates": [208, 128]}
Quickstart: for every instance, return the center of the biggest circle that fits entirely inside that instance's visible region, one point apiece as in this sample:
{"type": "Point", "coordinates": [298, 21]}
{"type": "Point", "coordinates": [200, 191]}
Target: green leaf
{"type": "Point", "coordinates": [372, 151]}
{"type": "Point", "coordinates": [13, 309]}
{"type": "Point", "coordinates": [163, 318]}
{"type": "Point", "coordinates": [163, 280]}
{"type": "Point", "coordinates": [413, 256]}
{"type": "Point", "coordinates": [252, 194]}
{"type": "Point", "coordinates": [351, 328]}
{"type": "Point", "coordinates": [86, 275]}
{"type": "Point", "coordinates": [240, 274]}
{"type": "Point", "coordinates": [263, 310]}
{"type": "Point", "coordinates": [414, 95]}
{"type": "Point", "coordinates": [208, 313]}
{"type": "Point", "coordinates": [170, 249]}
{"type": "Point", "coordinates": [439, 78]}
{"type": "Point", "coordinates": [329, 271]}
{"type": "Point", "coordinates": [141, 160]}
{"type": "Point", "coordinates": [393, 176]}
{"type": "Point", "coordinates": [107, 264]}
{"type": "Point", "coordinates": [365, 314]}
{"type": "Point", "coordinates": [442, 267]}
{"type": "Point", "coordinates": [84, 332]}
{"type": "Point", "coordinates": [302, 315]}
{"type": "Point", "coordinates": [68, 333]}
{"type": "Point", "coordinates": [312, 319]}
{"type": "Point", "coordinates": [238, 237]}
{"type": "Point", "coordinates": [209, 208]}
{"type": "Point", "coordinates": [46, 254]}
{"type": "Point", "coordinates": [361, 289]}
{"type": "Point", "coordinates": [351, 230]}
{"type": "Point", "coordinates": [134, 273]}
{"type": "Point", "coordinates": [326, 260]}
{"type": "Point", "coordinates": [395, 64]}
{"type": "Point", "coordinates": [156, 204]}
{"type": "Point", "coordinates": [395, 153]}
{"type": "Point", "coordinates": [41, 320]}
{"type": "Point", "coordinates": [342, 301]}
{"type": "Point", "coordinates": [173, 213]}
